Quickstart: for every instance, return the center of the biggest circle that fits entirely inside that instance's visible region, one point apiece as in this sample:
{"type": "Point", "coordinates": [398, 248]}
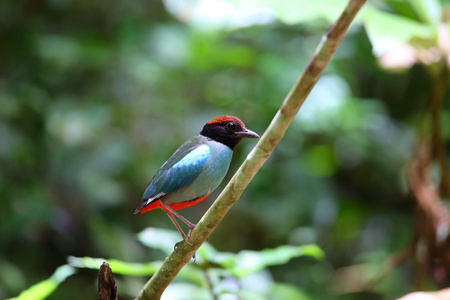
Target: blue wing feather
{"type": "Point", "coordinates": [181, 168]}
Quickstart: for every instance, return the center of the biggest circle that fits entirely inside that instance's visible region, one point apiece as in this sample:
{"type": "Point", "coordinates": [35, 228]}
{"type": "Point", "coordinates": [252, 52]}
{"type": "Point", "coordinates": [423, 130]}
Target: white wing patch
{"type": "Point", "coordinates": [156, 197]}
{"type": "Point", "coordinates": [198, 154]}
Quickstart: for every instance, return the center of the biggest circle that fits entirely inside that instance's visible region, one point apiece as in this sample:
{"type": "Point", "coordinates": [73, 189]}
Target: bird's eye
{"type": "Point", "coordinates": [231, 126]}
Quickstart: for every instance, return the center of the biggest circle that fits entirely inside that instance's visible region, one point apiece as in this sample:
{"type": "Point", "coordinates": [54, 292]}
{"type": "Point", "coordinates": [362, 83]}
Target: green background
{"type": "Point", "coordinates": [96, 95]}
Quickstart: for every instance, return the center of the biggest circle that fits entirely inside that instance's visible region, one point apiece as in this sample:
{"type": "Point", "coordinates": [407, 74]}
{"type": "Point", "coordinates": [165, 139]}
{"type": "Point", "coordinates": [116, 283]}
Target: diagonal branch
{"type": "Point", "coordinates": [154, 288]}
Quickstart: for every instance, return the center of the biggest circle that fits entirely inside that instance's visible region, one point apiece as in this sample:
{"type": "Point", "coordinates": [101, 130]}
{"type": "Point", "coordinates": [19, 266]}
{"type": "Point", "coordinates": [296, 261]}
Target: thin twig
{"type": "Point", "coordinates": [209, 282]}
{"type": "Point", "coordinates": [433, 218]}
{"type": "Point", "coordinates": [437, 144]}
{"type": "Point", "coordinates": [283, 118]}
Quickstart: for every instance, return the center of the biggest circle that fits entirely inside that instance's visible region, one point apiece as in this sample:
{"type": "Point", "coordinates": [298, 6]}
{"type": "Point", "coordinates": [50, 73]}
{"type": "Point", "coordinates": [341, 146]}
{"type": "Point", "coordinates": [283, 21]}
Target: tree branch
{"type": "Point", "coordinates": [433, 220]}
{"type": "Point", "coordinates": [437, 144]}
{"type": "Point", "coordinates": [283, 118]}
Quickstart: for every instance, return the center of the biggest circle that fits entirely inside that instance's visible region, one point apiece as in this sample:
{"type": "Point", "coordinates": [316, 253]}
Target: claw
{"type": "Point", "coordinates": [186, 238]}
{"type": "Point", "coordinates": [176, 245]}
{"type": "Point", "coordinates": [190, 231]}
{"type": "Point", "coordinates": [187, 241]}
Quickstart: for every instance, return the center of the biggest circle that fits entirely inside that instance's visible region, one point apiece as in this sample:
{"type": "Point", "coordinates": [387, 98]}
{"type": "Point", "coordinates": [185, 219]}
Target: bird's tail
{"type": "Point", "coordinates": [140, 207]}
{"type": "Point", "coordinates": [148, 204]}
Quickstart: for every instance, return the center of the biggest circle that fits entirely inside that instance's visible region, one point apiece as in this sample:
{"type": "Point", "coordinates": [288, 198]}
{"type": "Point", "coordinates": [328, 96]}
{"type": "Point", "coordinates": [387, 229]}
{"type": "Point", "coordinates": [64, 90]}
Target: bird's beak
{"type": "Point", "coordinates": [248, 134]}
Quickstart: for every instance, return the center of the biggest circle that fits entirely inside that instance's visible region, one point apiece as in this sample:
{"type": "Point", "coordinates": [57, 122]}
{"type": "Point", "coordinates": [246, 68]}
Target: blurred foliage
{"type": "Point", "coordinates": [45, 288]}
{"type": "Point", "coordinates": [213, 273]}
{"type": "Point", "coordinates": [95, 96]}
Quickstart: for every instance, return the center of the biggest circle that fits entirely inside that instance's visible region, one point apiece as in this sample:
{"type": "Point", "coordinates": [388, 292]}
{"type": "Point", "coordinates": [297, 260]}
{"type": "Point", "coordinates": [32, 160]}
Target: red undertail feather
{"type": "Point", "coordinates": [151, 206]}
{"type": "Point", "coordinates": [176, 206]}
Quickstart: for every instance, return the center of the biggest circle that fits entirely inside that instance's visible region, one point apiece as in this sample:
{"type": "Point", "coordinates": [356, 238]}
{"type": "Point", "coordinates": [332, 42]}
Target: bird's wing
{"type": "Point", "coordinates": [181, 168]}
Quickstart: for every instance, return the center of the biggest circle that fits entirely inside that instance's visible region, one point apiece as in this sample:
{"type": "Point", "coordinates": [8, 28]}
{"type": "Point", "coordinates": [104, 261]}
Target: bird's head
{"type": "Point", "coordinates": [227, 130]}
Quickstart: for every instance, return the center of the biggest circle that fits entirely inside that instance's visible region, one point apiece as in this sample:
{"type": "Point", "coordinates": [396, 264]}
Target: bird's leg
{"type": "Point", "coordinates": [174, 221]}
{"type": "Point", "coordinates": [191, 226]}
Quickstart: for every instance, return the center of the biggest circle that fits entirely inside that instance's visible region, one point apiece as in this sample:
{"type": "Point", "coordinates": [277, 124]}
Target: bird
{"type": "Point", "coordinates": [195, 170]}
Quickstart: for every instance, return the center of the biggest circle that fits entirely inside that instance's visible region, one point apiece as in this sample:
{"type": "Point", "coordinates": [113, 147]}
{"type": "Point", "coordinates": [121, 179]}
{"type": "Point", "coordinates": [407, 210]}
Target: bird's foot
{"type": "Point", "coordinates": [191, 227]}
{"type": "Point", "coordinates": [177, 244]}
{"type": "Point", "coordinates": [185, 239]}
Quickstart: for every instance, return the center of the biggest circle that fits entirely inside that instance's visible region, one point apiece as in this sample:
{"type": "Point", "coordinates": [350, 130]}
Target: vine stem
{"type": "Point", "coordinates": [154, 288]}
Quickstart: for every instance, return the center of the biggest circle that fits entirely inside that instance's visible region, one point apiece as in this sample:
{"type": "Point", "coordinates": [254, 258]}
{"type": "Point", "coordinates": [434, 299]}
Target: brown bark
{"type": "Point", "coordinates": [107, 289]}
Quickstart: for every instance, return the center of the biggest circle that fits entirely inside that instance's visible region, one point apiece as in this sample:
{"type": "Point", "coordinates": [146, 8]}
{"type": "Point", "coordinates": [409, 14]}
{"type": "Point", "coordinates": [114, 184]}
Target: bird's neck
{"type": "Point", "coordinates": [226, 140]}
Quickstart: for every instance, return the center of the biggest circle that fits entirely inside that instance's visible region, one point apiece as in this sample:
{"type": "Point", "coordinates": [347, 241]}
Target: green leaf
{"type": "Point", "coordinates": [298, 11]}
{"type": "Point", "coordinates": [209, 253]}
{"type": "Point", "coordinates": [240, 264]}
{"type": "Point", "coordinates": [248, 295]}
{"type": "Point", "coordinates": [134, 269]}
{"type": "Point", "coordinates": [387, 30]}
{"type": "Point", "coordinates": [429, 11]}
{"type": "Point", "coordinates": [247, 261]}
{"type": "Point", "coordinates": [182, 290]}
{"type": "Point", "coordinates": [157, 238]}
{"type": "Point", "coordinates": [283, 291]}
{"type": "Point", "coordinates": [45, 288]}
{"type": "Point", "coordinates": [117, 266]}
{"type": "Point", "coordinates": [165, 239]}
